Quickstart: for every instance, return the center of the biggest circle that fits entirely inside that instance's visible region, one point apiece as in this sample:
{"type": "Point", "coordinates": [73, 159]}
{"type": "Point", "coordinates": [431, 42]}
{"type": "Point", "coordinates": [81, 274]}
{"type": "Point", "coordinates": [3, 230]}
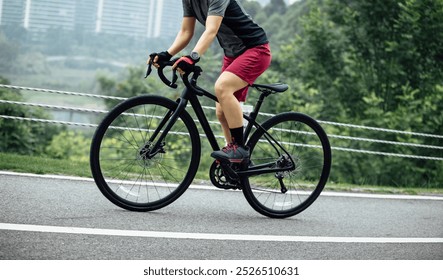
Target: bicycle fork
{"type": "Point", "coordinates": [162, 130]}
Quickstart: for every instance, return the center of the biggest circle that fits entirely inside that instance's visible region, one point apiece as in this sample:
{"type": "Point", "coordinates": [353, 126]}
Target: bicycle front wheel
{"type": "Point", "coordinates": [121, 159]}
{"type": "Point", "coordinates": [290, 176]}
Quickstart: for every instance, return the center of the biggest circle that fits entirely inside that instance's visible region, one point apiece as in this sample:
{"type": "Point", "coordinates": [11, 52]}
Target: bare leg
{"type": "Point", "coordinates": [230, 114]}
{"type": "Point", "coordinates": [225, 87]}
{"type": "Point", "coordinates": [223, 122]}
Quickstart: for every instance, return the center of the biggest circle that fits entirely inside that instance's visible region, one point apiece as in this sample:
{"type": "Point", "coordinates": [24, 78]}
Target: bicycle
{"type": "Point", "coordinates": [146, 152]}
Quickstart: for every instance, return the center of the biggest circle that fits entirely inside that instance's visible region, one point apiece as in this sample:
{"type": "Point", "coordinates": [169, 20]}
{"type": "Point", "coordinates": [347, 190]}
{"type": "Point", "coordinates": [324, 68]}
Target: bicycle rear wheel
{"type": "Point", "coordinates": [119, 157]}
{"type": "Point", "coordinates": [281, 194]}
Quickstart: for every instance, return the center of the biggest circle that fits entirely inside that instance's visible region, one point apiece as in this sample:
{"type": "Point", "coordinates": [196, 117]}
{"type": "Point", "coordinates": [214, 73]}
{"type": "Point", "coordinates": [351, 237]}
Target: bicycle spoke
{"type": "Point", "coordinates": [128, 171]}
{"type": "Point", "coordinates": [299, 151]}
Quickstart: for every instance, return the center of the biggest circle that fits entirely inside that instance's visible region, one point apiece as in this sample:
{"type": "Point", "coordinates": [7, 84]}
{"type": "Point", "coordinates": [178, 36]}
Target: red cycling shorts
{"type": "Point", "coordinates": [248, 66]}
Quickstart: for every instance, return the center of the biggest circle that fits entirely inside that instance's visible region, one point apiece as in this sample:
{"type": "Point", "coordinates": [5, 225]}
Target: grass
{"type": "Point", "coordinates": [45, 165]}
{"type": "Point", "coordinates": [383, 189]}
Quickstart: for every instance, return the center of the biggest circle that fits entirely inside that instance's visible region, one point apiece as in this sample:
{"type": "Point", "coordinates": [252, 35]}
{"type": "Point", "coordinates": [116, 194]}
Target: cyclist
{"type": "Point", "coordinates": [247, 56]}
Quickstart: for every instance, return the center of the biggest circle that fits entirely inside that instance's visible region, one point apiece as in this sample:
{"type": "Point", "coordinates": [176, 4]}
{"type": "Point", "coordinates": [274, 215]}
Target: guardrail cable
{"type": "Point", "coordinates": [332, 136]}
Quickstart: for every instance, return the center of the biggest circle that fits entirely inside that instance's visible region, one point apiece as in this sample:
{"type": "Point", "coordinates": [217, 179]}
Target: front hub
{"type": "Point", "coordinates": [145, 157]}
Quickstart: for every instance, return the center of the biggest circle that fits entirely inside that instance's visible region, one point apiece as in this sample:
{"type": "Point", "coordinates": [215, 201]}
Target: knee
{"type": "Point", "coordinates": [221, 89]}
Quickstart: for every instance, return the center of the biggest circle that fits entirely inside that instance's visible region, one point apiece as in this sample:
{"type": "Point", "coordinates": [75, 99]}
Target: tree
{"type": "Point", "coordinates": [275, 7]}
{"type": "Point", "coordinates": [376, 63]}
{"type": "Point", "coordinates": [18, 136]}
{"type": "Point", "coordinates": [132, 85]}
{"type": "Point", "coordinates": [69, 145]}
{"type": "Point", "coordinates": [252, 7]}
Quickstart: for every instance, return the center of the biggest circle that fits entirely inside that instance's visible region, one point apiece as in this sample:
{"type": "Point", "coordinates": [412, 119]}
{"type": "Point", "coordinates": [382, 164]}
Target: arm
{"type": "Point", "coordinates": [212, 26]}
{"type": "Point", "coordinates": [184, 36]}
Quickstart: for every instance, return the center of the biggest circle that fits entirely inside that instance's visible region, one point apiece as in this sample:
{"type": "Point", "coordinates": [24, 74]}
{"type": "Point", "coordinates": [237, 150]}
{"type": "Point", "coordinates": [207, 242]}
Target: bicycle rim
{"type": "Point", "coordinates": [308, 160]}
{"type": "Point", "coordinates": [119, 162]}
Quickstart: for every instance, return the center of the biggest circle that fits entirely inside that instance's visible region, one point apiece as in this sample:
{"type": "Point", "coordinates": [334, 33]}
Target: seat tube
{"type": "Point", "coordinates": [253, 116]}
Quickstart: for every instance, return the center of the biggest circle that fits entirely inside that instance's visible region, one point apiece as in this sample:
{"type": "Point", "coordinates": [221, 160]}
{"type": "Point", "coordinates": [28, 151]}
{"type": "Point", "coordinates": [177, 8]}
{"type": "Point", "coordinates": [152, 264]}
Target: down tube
{"type": "Point", "coordinates": [204, 122]}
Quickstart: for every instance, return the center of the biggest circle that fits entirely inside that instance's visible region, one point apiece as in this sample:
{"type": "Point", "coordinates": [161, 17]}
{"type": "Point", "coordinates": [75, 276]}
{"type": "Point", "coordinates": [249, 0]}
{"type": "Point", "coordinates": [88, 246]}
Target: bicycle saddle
{"type": "Point", "coordinates": [277, 87]}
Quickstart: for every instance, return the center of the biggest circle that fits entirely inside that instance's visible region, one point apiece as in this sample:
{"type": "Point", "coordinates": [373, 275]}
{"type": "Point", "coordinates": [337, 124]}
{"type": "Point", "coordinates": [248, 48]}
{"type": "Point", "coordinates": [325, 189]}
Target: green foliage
{"type": "Point", "coordinates": [69, 145]}
{"type": "Point", "coordinates": [30, 63]}
{"type": "Point", "coordinates": [252, 7]}
{"type": "Point", "coordinates": [132, 85]}
{"type": "Point", "coordinates": [19, 136]}
{"type": "Point", "coordinates": [275, 7]}
{"type": "Point", "coordinates": [375, 63]}
{"type": "Point", "coordinates": [43, 165]}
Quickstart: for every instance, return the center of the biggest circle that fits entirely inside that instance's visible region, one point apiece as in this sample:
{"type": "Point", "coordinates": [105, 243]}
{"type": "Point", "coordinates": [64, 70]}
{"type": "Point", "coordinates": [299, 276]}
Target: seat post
{"type": "Point", "coordinates": [258, 105]}
{"type": "Point", "coordinates": [263, 95]}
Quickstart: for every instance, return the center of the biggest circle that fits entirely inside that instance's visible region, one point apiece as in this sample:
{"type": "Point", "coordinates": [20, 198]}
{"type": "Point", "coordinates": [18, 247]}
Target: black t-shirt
{"type": "Point", "coordinates": [237, 33]}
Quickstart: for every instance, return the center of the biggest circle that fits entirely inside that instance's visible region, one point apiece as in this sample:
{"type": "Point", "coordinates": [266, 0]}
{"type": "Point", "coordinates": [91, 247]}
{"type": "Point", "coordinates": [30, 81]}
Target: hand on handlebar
{"type": "Point", "coordinates": [184, 64]}
{"type": "Point", "coordinates": [158, 58]}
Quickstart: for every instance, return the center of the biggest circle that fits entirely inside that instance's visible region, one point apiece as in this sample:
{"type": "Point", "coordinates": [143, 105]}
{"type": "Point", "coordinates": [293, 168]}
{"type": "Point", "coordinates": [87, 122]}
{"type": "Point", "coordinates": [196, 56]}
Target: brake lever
{"type": "Point", "coordinates": [151, 60]}
{"type": "Point", "coordinates": [174, 77]}
{"type": "Point", "coordinates": [148, 70]}
{"type": "Point", "coordinates": [174, 72]}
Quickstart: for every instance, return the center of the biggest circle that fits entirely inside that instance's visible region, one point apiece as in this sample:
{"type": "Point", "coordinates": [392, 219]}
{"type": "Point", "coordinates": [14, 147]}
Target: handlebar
{"type": "Point", "coordinates": [162, 76]}
{"type": "Point", "coordinates": [191, 84]}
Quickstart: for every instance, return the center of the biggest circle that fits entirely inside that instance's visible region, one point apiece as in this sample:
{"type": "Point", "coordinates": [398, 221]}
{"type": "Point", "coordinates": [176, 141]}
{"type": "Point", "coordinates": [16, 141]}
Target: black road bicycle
{"type": "Point", "coordinates": [146, 152]}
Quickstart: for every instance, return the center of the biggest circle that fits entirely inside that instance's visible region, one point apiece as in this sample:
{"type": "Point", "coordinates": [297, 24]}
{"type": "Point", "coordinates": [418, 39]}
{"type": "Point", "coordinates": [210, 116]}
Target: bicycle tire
{"type": "Point", "coordinates": [308, 146]}
{"type": "Point", "coordinates": [118, 163]}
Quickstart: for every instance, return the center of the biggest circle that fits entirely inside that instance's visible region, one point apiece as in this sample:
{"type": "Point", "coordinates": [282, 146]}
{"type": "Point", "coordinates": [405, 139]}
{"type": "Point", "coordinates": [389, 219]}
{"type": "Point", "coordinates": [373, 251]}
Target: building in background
{"type": "Point", "coordinates": [137, 18]}
{"type": "Point", "coordinates": [12, 12]}
{"type": "Point", "coordinates": [171, 17]}
{"type": "Point", "coordinates": [118, 17]}
{"type": "Point", "coordinates": [43, 15]}
{"type": "Point", "coordinates": [164, 17]}
{"type": "Point", "coordinates": [85, 17]}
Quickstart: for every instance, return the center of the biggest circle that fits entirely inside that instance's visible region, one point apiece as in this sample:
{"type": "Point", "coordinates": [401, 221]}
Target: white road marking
{"type": "Point", "coordinates": [213, 236]}
{"type": "Point", "coordinates": [203, 187]}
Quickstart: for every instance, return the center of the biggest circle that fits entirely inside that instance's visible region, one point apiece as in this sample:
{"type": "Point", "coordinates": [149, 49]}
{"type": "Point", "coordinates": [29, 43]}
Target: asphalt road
{"type": "Point", "coordinates": [69, 219]}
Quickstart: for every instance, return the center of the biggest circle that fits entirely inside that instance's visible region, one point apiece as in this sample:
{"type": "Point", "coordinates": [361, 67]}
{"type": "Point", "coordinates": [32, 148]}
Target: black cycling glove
{"type": "Point", "coordinates": [163, 56]}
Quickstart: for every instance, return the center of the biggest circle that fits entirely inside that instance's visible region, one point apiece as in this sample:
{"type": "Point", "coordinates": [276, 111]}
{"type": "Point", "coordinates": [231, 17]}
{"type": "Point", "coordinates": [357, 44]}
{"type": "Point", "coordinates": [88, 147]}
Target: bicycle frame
{"type": "Point", "coordinates": [189, 94]}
